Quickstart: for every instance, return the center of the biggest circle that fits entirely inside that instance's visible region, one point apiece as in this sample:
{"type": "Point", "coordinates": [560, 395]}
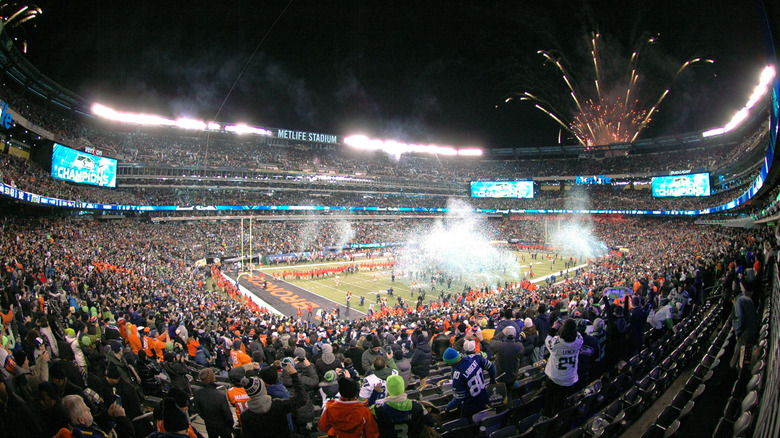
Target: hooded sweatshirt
{"type": "Point", "coordinates": [400, 417]}
{"type": "Point", "coordinates": [134, 340]}
{"type": "Point", "coordinates": [348, 419]}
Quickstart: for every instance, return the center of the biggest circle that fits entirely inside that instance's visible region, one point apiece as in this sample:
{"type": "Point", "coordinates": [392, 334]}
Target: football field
{"type": "Point", "coordinates": [371, 284]}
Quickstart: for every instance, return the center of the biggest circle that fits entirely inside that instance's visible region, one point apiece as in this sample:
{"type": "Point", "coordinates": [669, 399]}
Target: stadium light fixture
{"type": "Point", "coordinates": [396, 148]}
{"type": "Point", "coordinates": [763, 86]}
{"type": "Point", "coordinates": [190, 124]}
{"type": "Point", "coordinates": [245, 129]}
{"type": "Point", "coordinates": [133, 118]}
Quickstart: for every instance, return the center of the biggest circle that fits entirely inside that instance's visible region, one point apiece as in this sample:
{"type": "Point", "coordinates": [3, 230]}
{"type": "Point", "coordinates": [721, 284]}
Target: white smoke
{"type": "Point", "coordinates": [306, 234]}
{"type": "Point", "coordinates": [576, 236]}
{"type": "Point", "coordinates": [460, 246]}
{"type": "Point", "coordinates": [344, 232]}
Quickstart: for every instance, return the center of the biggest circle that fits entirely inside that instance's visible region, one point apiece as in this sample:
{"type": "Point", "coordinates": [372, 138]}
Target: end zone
{"type": "Point", "coordinates": [282, 297]}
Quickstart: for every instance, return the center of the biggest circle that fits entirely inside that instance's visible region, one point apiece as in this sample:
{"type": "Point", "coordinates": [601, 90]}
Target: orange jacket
{"type": "Point", "coordinates": [192, 347]}
{"type": "Point", "coordinates": [134, 340]}
{"type": "Point", "coordinates": [348, 419]}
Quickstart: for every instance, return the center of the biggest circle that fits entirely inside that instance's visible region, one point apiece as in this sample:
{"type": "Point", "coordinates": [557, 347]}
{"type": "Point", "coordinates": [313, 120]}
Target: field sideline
{"type": "Point", "coordinates": [371, 284]}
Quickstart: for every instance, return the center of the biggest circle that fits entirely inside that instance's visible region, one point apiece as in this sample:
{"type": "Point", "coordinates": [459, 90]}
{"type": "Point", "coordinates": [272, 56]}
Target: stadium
{"type": "Point", "coordinates": [167, 275]}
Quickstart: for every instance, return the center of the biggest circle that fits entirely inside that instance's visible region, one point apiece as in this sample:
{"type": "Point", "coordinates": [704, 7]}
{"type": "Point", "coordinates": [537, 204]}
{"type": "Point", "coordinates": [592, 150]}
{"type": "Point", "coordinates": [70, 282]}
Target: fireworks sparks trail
{"type": "Point", "coordinates": [13, 15]}
{"type": "Point", "coordinates": [614, 113]}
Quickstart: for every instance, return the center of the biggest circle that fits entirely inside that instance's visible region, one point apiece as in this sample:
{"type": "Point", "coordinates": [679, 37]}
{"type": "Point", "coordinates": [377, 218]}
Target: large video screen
{"type": "Point", "coordinates": [502, 189]}
{"type": "Point", "coordinates": [83, 168]}
{"type": "Point", "coordinates": [697, 184]}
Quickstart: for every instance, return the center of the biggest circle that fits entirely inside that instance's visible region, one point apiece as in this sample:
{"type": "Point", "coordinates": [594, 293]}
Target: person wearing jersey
{"type": "Point", "coordinates": [397, 416]}
{"type": "Point", "coordinates": [237, 356]}
{"type": "Point", "coordinates": [468, 381]}
{"type": "Point", "coordinates": [236, 394]}
{"type": "Point", "coordinates": [561, 369]}
{"type": "Point", "coordinates": [376, 376]}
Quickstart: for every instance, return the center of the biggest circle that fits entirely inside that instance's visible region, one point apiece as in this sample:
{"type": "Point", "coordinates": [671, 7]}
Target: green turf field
{"type": "Point", "coordinates": [369, 284]}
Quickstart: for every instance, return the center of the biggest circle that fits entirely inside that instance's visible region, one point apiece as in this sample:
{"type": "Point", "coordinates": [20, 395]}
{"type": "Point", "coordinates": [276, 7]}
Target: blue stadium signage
{"type": "Point", "coordinates": [5, 116]}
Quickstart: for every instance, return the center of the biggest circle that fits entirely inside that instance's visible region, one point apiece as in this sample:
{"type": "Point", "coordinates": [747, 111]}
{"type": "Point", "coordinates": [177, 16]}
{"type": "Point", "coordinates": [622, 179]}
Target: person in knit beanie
{"type": "Point", "coordinates": [468, 381]}
{"type": "Point", "coordinates": [266, 416]}
{"type": "Point", "coordinates": [182, 401]}
{"type": "Point", "coordinates": [397, 409]}
{"type": "Point", "coordinates": [175, 420]}
{"type": "Point", "coordinates": [213, 406]}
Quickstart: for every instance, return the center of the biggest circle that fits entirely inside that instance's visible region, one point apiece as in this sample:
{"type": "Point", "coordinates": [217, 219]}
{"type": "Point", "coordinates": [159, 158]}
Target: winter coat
{"type": "Point", "coordinates": [506, 355]}
{"type": "Point", "coordinates": [348, 419]}
{"type": "Point", "coordinates": [177, 371]}
{"type": "Point", "coordinates": [421, 360]}
{"type": "Point", "coordinates": [274, 422]}
{"type": "Point", "coordinates": [310, 382]}
{"type": "Point", "coordinates": [404, 370]}
{"type": "Point", "coordinates": [212, 405]}
{"type": "Point", "coordinates": [441, 343]}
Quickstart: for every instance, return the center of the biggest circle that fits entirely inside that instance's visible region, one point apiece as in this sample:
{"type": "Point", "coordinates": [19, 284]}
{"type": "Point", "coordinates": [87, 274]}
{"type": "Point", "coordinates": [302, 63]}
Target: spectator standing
{"type": "Point", "coordinates": [212, 405]}
{"type": "Point", "coordinates": [528, 337]}
{"type": "Point", "coordinates": [421, 359]}
{"type": "Point", "coordinates": [237, 356]}
{"type": "Point", "coordinates": [507, 352]}
{"type": "Point", "coordinates": [347, 417]}
{"type": "Point", "coordinates": [266, 416]}
{"type": "Point", "coordinates": [397, 416]}
{"type": "Point", "coordinates": [542, 324]}
{"type": "Point", "coordinates": [175, 421]}
{"type": "Point", "coordinates": [327, 362]}
{"type": "Point", "coordinates": [468, 382]}
{"type": "Point", "coordinates": [370, 354]}
{"type": "Point", "coordinates": [356, 354]}
{"type": "Point", "coordinates": [561, 369]}
{"type": "Point", "coordinates": [403, 365]}
{"type": "Point", "coordinates": [745, 324]}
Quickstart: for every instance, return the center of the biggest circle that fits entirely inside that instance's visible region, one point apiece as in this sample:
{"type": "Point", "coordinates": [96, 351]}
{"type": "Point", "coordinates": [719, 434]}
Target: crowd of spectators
{"type": "Point", "coordinates": [98, 316]}
{"type": "Point", "coordinates": [105, 320]}
{"type": "Point", "coordinates": [26, 175]}
{"type": "Point", "coordinates": [173, 148]}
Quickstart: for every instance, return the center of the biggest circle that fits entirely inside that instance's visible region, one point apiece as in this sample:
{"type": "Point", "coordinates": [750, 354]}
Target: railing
{"type": "Point", "coordinates": [768, 422]}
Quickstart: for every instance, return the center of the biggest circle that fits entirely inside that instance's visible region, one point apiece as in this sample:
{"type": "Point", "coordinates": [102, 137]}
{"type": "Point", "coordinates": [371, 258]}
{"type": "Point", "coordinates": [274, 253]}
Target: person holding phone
{"type": "Point", "coordinates": [266, 416]}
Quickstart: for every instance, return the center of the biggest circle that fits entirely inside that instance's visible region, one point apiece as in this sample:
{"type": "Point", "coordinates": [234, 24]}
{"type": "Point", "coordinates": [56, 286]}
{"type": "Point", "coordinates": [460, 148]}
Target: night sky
{"type": "Point", "coordinates": [430, 71]}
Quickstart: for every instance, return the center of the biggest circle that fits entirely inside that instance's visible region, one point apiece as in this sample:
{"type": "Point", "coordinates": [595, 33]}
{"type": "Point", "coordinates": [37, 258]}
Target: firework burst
{"type": "Point", "coordinates": [13, 15]}
{"type": "Point", "coordinates": [605, 110]}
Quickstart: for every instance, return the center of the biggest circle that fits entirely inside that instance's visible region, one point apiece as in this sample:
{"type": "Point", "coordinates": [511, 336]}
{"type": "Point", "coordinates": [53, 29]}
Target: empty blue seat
{"type": "Point", "coordinates": [490, 424]}
{"type": "Point", "coordinates": [743, 425]}
{"type": "Point", "coordinates": [506, 432]}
